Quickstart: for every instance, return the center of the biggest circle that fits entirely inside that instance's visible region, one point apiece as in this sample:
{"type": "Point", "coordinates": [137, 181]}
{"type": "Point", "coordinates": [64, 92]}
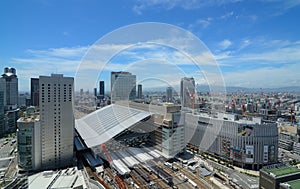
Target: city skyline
{"type": "Point", "coordinates": [255, 43]}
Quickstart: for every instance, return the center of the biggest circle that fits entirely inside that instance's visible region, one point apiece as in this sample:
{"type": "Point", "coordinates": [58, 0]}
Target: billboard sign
{"type": "Point", "coordinates": [249, 155]}
{"type": "Point", "coordinates": [266, 153]}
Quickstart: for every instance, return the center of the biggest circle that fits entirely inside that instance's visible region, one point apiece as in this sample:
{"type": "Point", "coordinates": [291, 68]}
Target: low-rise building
{"type": "Point", "coordinates": [67, 178]}
{"type": "Point", "coordinates": [277, 176]}
{"type": "Point", "coordinates": [247, 142]}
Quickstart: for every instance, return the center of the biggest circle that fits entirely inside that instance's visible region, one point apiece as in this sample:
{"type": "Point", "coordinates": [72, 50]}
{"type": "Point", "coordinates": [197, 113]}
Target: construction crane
{"type": "Point", "coordinates": [191, 95]}
{"type": "Point", "coordinates": [108, 157]}
{"type": "Point", "coordinates": [192, 100]}
{"type": "Point", "coordinates": [106, 152]}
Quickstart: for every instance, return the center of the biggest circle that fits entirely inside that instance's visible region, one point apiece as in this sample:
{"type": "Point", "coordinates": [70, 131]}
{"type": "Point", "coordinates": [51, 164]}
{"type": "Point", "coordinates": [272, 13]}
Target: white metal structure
{"type": "Point", "coordinates": [105, 123]}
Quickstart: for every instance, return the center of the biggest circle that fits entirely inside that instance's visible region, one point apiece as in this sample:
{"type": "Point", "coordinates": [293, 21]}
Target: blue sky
{"type": "Point", "coordinates": [256, 42]}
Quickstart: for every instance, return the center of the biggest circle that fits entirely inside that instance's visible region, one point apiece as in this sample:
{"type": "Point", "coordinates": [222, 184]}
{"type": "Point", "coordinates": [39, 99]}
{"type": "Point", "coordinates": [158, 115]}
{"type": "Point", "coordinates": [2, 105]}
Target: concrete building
{"type": "Point", "coordinates": [95, 92]}
{"type": "Point", "coordinates": [187, 92]}
{"type": "Point", "coordinates": [171, 122]}
{"type": "Point", "coordinates": [9, 89]}
{"type": "Point", "coordinates": [131, 135]}
{"type": "Point", "coordinates": [57, 120]}
{"type": "Point", "coordinates": [2, 122]}
{"type": "Point", "coordinates": [67, 178]}
{"type": "Point", "coordinates": [22, 100]}
{"type": "Point", "coordinates": [247, 142]}
{"type": "Point", "coordinates": [169, 96]}
{"type": "Point", "coordinates": [123, 86]}
{"type": "Point", "coordinates": [101, 89]}
{"type": "Point", "coordinates": [140, 91]}
{"type": "Point", "coordinates": [9, 86]}
{"type": "Point", "coordinates": [34, 91]}
{"type": "Point", "coordinates": [29, 141]}
{"type": "Point", "coordinates": [10, 119]}
{"type": "Point", "coordinates": [278, 176]}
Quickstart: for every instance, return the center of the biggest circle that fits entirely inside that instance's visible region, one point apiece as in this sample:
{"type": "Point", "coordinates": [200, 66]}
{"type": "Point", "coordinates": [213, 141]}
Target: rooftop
{"type": "Point", "coordinates": [294, 184]}
{"type": "Point", "coordinates": [278, 171]}
{"type": "Point", "coordinates": [67, 178]}
{"type": "Point", "coordinates": [31, 118]}
{"type": "Point", "coordinates": [230, 117]}
{"type": "Point", "coordinates": [100, 126]}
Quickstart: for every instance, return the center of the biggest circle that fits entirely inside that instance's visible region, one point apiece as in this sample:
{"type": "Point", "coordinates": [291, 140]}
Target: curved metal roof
{"type": "Point", "coordinates": [100, 126]}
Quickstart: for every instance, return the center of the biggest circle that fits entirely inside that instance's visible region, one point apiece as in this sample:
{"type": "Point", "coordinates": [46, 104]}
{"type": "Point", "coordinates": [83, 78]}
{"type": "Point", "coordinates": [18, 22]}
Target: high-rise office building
{"type": "Point", "coordinates": [57, 120]}
{"type": "Point", "coordinates": [123, 86]}
{"type": "Point", "coordinates": [140, 91]}
{"type": "Point", "coordinates": [34, 91]}
{"type": "Point", "coordinates": [101, 89]}
{"type": "Point", "coordinates": [169, 92]}
{"type": "Point", "coordinates": [29, 141]}
{"type": "Point", "coordinates": [9, 86]}
{"type": "Point", "coordinates": [187, 92]}
{"type": "Point", "coordinates": [95, 92]}
{"type": "Point", "coordinates": [2, 123]}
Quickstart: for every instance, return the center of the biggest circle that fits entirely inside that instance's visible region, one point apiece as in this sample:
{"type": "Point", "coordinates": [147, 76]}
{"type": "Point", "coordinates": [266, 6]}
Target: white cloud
{"type": "Point", "coordinates": [265, 77]}
{"type": "Point", "coordinates": [170, 4]}
{"type": "Point", "coordinates": [92, 60]}
{"type": "Point", "coordinates": [227, 15]}
{"type": "Point", "coordinates": [270, 63]}
{"type": "Point", "coordinates": [225, 44]}
{"type": "Point", "coordinates": [204, 22]}
{"type": "Point", "coordinates": [137, 9]}
{"type": "Point", "coordinates": [273, 58]}
{"type": "Point", "coordinates": [260, 52]}
{"type": "Point", "coordinates": [64, 52]}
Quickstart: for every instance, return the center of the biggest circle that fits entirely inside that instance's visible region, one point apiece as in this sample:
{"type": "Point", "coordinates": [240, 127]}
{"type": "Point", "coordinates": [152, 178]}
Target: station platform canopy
{"type": "Point", "coordinates": [100, 126]}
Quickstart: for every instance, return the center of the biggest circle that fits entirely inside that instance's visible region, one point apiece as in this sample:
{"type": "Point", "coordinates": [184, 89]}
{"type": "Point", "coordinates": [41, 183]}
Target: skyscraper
{"type": "Point", "coordinates": [140, 91]}
{"type": "Point", "coordinates": [9, 86]}
{"type": "Point", "coordinates": [101, 89]}
{"type": "Point", "coordinates": [187, 92]}
{"type": "Point", "coordinates": [57, 120]}
{"type": "Point", "coordinates": [34, 91]}
{"type": "Point", "coordinates": [95, 92]}
{"type": "Point", "coordinates": [2, 123]}
{"type": "Point", "coordinates": [123, 86]}
{"type": "Point", "coordinates": [169, 92]}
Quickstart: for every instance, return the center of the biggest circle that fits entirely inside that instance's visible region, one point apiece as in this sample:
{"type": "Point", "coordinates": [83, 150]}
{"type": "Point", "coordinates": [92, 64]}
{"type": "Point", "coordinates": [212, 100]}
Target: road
{"type": "Point", "coordinates": [244, 180]}
{"type": "Point", "coordinates": [240, 178]}
{"type": "Point", "coordinates": [12, 169]}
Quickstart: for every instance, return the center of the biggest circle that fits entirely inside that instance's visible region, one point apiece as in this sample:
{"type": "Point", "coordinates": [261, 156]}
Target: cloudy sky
{"type": "Point", "coordinates": [255, 43]}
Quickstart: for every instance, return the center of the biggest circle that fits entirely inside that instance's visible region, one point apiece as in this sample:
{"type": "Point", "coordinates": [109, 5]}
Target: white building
{"type": "Point", "coordinates": [29, 142]}
{"type": "Point", "coordinates": [123, 86]}
{"type": "Point", "coordinates": [246, 141]}
{"type": "Point", "coordinates": [57, 120]}
{"type": "Point", "coordinates": [67, 179]}
{"type": "Point", "coordinates": [171, 122]}
{"type": "Point", "coordinates": [187, 92]}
